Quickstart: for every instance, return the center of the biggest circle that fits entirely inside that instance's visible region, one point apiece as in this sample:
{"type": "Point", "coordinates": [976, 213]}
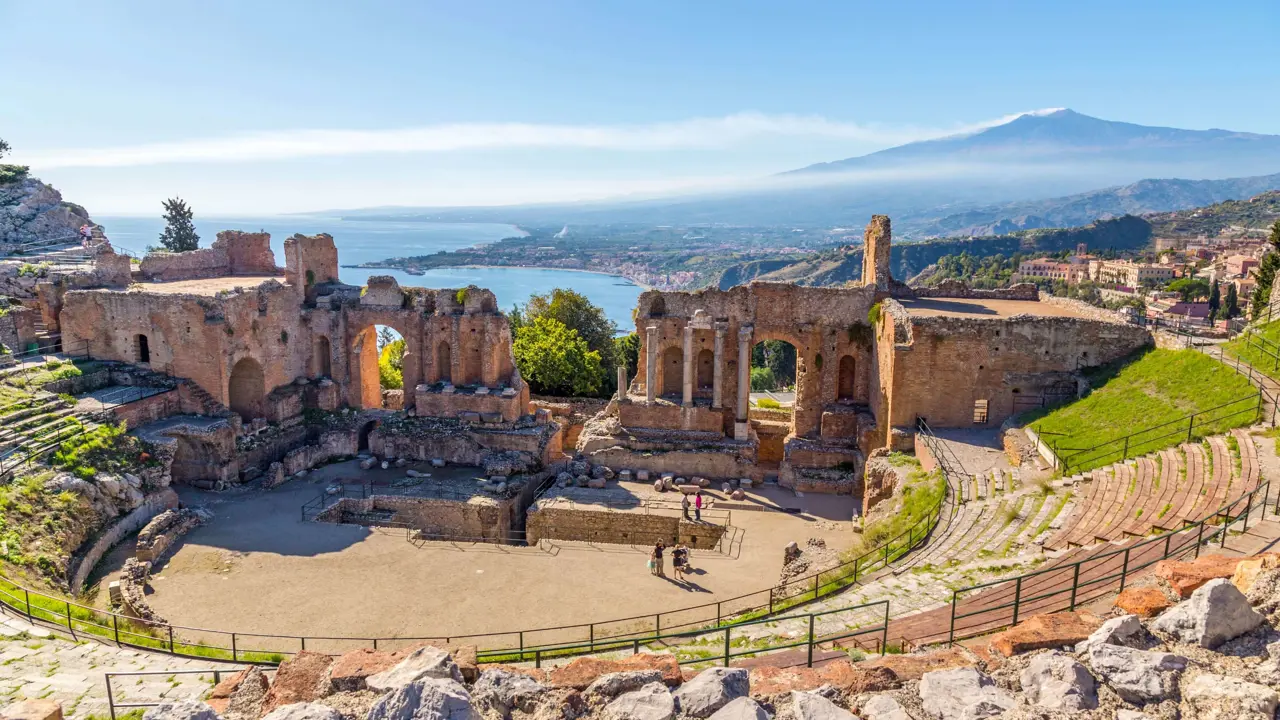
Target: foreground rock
{"type": "Point", "coordinates": [185, 710]}
{"type": "Point", "coordinates": [1053, 630]}
{"type": "Point", "coordinates": [651, 702]}
{"type": "Point", "coordinates": [1138, 676]}
{"type": "Point", "coordinates": [425, 662]}
{"type": "Point", "coordinates": [614, 684]}
{"type": "Point", "coordinates": [711, 690]}
{"type": "Point", "coordinates": [962, 694]}
{"type": "Point", "coordinates": [743, 708]}
{"type": "Point", "coordinates": [1125, 630]}
{"type": "Point", "coordinates": [304, 711]}
{"type": "Point", "coordinates": [1215, 697]}
{"type": "Point", "coordinates": [426, 699]}
{"type": "Point", "coordinates": [883, 707]}
{"type": "Point", "coordinates": [1216, 613]}
{"type": "Point", "coordinates": [812, 706]}
{"type": "Point", "coordinates": [302, 678]}
{"type": "Point", "coordinates": [503, 691]}
{"type": "Point", "coordinates": [1056, 681]}
{"type": "Point", "coordinates": [580, 673]}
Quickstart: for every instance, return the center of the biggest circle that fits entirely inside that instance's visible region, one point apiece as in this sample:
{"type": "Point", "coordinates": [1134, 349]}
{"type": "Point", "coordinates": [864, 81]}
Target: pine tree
{"type": "Point", "coordinates": [1266, 275]}
{"type": "Point", "coordinates": [179, 230]}
{"type": "Point", "coordinates": [1215, 301]}
{"type": "Point", "coordinates": [1232, 308]}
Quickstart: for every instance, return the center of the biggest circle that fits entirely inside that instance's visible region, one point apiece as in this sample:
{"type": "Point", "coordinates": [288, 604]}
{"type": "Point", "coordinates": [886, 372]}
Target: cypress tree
{"type": "Point", "coordinates": [179, 229]}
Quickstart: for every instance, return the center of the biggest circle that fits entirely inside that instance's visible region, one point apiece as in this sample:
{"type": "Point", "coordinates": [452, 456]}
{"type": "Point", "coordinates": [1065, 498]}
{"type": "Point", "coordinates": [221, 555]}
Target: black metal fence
{"type": "Point", "coordinates": [1001, 603]}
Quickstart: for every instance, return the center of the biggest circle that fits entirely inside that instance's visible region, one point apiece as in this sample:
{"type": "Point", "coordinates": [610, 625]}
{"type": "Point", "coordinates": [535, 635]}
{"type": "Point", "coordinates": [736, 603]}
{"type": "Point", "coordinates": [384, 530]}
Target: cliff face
{"type": "Point", "coordinates": [31, 211]}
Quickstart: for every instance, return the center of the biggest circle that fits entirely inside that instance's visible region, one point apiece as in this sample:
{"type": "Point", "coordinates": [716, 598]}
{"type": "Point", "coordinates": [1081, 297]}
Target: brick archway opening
{"type": "Point", "coordinates": [246, 389]}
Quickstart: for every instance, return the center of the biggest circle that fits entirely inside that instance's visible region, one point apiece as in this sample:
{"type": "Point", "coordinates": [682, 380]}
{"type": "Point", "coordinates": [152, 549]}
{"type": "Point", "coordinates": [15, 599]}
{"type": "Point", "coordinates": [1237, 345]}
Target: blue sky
{"type": "Point", "coordinates": [287, 106]}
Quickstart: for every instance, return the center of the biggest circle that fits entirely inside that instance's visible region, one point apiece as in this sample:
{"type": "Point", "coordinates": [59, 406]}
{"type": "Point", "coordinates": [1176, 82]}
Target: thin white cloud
{"type": "Point", "coordinates": [309, 143]}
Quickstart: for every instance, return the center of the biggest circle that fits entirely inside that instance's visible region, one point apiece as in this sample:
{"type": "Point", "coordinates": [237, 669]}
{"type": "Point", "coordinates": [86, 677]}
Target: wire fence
{"type": "Point", "coordinates": [987, 607]}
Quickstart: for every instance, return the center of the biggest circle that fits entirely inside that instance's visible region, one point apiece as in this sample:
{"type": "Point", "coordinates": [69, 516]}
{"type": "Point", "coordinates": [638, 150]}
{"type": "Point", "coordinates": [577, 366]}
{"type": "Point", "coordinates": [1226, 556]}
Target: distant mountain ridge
{"type": "Point", "coordinates": [1140, 198]}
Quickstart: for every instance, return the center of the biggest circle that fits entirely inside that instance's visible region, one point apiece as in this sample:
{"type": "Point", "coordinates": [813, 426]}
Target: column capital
{"type": "Point", "coordinates": [745, 332]}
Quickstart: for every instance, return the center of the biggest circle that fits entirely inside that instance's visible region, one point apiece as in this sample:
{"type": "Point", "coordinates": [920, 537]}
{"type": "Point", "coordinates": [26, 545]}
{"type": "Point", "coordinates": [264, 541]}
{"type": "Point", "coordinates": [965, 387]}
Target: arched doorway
{"type": "Point", "coordinates": [246, 389]}
{"type": "Point", "coordinates": [321, 361]}
{"type": "Point", "coordinates": [706, 369]}
{"type": "Point", "coordinates": [377, 360]}
{"type": "Point", "coordinates": [144, 349]}
{"type": "Point", "coordinates": [362, 444]}
{"type": "Point", "coordinates": [444, 361]}
{"type": "Point", "coordinates": [672, 371]}
{"type": "Point", "coordinates": [847, 380]}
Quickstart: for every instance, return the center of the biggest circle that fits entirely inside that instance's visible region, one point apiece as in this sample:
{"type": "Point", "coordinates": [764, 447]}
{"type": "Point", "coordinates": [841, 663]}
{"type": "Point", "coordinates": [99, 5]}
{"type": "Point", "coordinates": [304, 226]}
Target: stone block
{"type": "Point", "coordinates": [1187, 577]}
{"type": "Point", "coordinates": [1143, 601]}
{"type": "Point", "coordinates": [1053, 630]}
{"type": "Point", "coordinates": [32, 710]}
{"type": "Point", "coordinates": [491, 417]}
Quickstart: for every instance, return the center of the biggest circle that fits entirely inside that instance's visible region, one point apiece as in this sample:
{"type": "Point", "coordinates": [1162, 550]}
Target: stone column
{"type": "Point", "coordinates": [650, 363]}
{"type": "Point", "coordinates": [744, 381]}
{"type": "Point", "coordinates": [687, 386]}
{"type": "Point", "coordinates": [622, 383]}
{"type": "Point", "coordinates": [717, 379]}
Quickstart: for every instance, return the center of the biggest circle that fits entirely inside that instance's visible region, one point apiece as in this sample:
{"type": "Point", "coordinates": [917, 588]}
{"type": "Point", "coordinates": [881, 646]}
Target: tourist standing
{"type": "Point", "coordinates": [684, 505]}
{"type": "Point", "coordinates": [657, 559]}
{"type": "Point", "coordinates": [697, 506]}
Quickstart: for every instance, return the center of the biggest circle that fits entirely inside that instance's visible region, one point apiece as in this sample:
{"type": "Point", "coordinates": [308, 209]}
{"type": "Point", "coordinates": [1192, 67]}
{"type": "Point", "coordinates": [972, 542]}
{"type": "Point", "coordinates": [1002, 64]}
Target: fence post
{"type": "Point", "coordinates": [171, 640]}
{"type": "Point", "coordinates": [771, 600]}
{"type": "Point", "coordinates": [726, 645]}
{"type": "Point", "coordinates": [717, 613]}
{"type": "Point", "coordinates": [27, 594]}
{"type": "Point", "coordinates": [1199, 538]}
{"type": "Point", "coordinates": [115, 627]}
{"type": "Point", "coordinates": [1075, 585]}
{"type": "Point", "coordinates": [1126, 448]}
{"type": "Point", "coordinates": [884, 633]}
{"type": "Point", "coordinates": [809, 663]}
{"type": "Point", "coordinates": [1190, 424]}
{"type": "Point", "coordinates": [1017, 599]}
{"type": "Point", "coordinates": [233, 646]}
{"type": "Point", "coordinates": [69, 625]}
{"type": "Point", "coordinates": [591, 636]}
{"type": "Point", "coordinates": [1124, 569]}
{"type": "Point", "coordinates": [951, 632]}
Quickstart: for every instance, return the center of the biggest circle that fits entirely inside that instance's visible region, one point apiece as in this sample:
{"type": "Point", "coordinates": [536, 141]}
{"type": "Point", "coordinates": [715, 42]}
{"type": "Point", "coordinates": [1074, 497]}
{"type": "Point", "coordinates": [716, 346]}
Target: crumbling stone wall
{"type": "Point", "coordinates": [233, 253]}
{"type": "Point", "coordinates": [164, 530]}
{"type": "Point", "coordinates": [952, 288]}
{"type": "Point", "coordinates": [585, 523]}
{"type": "Point", "coordinates": [481, 519]}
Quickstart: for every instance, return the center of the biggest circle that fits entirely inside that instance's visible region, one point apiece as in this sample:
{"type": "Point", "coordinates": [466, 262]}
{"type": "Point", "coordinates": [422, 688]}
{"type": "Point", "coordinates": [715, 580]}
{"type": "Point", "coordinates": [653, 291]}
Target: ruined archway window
{"type": "Point", "coordinates": [706, 369]}
{"type": "Point", "coordinates": [658, 307]}
{"type": "Point", "coordinates": [144, 349]}
{"type": "Point", "coordinates": [444, 361]}
{"type": "Point", "coordinates": [846, 386]}
{"type": "Point", "coordinates": [377, 364]}
{"type": "Point", "coordinates": [246, 389]}
{"type": "Point", "coordinates": [773, 366]}
{"type": "Point", "coordinates": [322, 361]}
{"type": "Point", "coordinates": [672, 371]}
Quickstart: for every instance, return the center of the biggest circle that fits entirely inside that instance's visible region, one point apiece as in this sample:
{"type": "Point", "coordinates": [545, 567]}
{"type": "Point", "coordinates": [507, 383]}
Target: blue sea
{"type": "Point", "coordinates": [366, 241]}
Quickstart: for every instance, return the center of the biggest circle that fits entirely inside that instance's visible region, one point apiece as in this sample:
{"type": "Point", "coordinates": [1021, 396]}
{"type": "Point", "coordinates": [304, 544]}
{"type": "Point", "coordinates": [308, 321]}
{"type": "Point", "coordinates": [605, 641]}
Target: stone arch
{"type": "Point", "coordinates": [706, 368]}
{"type": "Point", "coordinates": [366, 384]}
{"type": "Point", "coordinates": [673, 371]}
{"type": "Point", "coordinates": [658, 308]}
{"type": "Point", "coordinates": [362, 442]}
{"type": "Point", "coordinates": [143, 347]}
{"type": "Point", "coordinates": [195, 462]}
{"type": "Point", "coordinates": [846, 379]}
{"type": "Point", "coordinates": [322, 359]}
{"type": "Point", "coordinates": [444, 361]}
{"type": "Point", "coordinates": [246, 389]}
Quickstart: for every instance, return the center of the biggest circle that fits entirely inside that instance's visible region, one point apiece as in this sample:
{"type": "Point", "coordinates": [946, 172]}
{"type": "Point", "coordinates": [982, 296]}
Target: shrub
{"type": "Point", "coordinates": [769, 403]}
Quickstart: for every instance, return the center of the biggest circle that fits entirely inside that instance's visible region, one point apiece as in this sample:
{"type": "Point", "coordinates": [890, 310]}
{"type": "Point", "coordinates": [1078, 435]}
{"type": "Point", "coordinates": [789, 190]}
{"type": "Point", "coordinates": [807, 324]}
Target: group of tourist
{"type": "Point", "coordinates": [697, 506]}
{"type": "Point", "coordinates": [679, 560]}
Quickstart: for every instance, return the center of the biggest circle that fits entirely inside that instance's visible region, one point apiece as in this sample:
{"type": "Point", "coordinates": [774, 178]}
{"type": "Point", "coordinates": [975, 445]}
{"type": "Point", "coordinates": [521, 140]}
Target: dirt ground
{"type": "Point", "coordinates": [258, 568]}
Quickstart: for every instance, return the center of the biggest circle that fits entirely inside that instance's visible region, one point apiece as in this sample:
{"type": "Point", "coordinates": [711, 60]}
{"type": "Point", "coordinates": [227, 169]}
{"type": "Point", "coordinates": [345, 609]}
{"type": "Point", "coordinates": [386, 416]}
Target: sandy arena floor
{"type": "Point", "coordinates": [258, 568]}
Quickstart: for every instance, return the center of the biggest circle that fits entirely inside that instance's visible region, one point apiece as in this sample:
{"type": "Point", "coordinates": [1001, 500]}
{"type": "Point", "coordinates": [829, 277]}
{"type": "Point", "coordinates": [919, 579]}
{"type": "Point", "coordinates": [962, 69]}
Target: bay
{"type": "Point", "coordinates": [371, 241]}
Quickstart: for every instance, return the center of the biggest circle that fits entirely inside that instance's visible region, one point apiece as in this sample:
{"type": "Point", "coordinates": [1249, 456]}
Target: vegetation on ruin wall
{"type": "Point", "coordinates": [104, 449]}
{"type": "Point", "coordinates": [576, 339]}
{"type": "Point", "coordinates": [1262, 352]}
{"type": "Point", "coordinates": [391, 365]}
{"type": "Point", "coordinates": [1147, 394]}
{"type": "Point", "coordinates": [40, 529]}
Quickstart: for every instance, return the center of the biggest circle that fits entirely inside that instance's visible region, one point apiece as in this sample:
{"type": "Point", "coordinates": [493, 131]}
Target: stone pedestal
{"type": "Point", "coordinates": [650, 363]}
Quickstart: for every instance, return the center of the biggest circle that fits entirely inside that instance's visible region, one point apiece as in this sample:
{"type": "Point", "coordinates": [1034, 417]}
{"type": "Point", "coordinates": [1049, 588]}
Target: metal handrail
{"type": "Point", "coordinates": [1222, 519]}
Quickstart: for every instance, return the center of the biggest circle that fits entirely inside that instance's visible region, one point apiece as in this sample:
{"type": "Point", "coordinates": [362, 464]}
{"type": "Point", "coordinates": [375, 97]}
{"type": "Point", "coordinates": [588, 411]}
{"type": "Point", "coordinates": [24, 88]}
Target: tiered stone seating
{"type": "Point", "coordinates": [1158, 492]}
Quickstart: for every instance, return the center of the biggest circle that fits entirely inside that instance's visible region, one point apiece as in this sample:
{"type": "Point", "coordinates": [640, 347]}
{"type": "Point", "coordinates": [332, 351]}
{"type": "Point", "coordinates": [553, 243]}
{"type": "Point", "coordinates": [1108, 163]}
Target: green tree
{"type": "Point", "coordinates": [1266, 274]}
{"type": "Point", "coordinates": [10, 173]}
{"type": "Point", "coordinates": [386, 336]}
{"type": "Point", "coordinates": [573, 310]}
{"type": "Point", "coordinates": [1190, 288]}
{"type": "Point", "coordinates": [779, 357]}
{"type": "Point", "coordinates": [627, 349]}
{"type": "Point", "coordinates": [555, 360]}
{"type": "Point", "coordinates": [1215, 301]}
{"type": "Point", "coordinates": [1232, 305]}
{"type": "Point", "coordinates": [762, 380]}
{"type": "Point", "coordinates": [179, 229]}
{"type": "Point", "coordinates": [391, 365]}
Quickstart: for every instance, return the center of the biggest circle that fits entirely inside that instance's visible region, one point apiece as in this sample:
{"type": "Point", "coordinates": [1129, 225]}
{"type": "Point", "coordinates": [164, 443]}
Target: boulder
{"type": "Point", "coordinates": [596, 483]}
{"type": "Point", "coordinates": [883, 707]}
{"type": "Point", "coordinates": [425, 662]}
{"type": "Point", "coordinates": [612, 685]}
{"type": "Point", "coordinates": [437, 462]}
{"type": "Point", "coordinates": [465, 657]}
{"type": "Point", "coordinates": [1216, 697]}
{"type": "Point", "coordinates": [962, 694]}
{"type": "Point", "coordinates": [304, 711]}
{"type": "Point", "coordinates": [738, 495]}
{"type": "Point", "coordinates": [184, 710]}
{"type": "Point", "coordinates": [642, 475]}
{"type": "Point", "coordinates": [1053, 630]}
{"type": "Point", "coordinates": [368, 463]}
{"type": "Point", "coordinates": [1142, 601]}
{"type": "Point", "coordinates": [711, 690]}
{"type": "Point", "coordinates": [651, 702]}
{"type": "Point", "coordinates": [583, 671]}
{"type": "Point", "coordinates": [841, 674]}
{"type": "Point", "coordinates": [564, 479]}
{"type": "Point", "coordinates": [302, 678]}
{"type": "Point", "coordinates": [351, 670]}
{"type": "Point", "coordinates": [1137, 676]}
{"type": "Point", "coordinates": [415, 474]}
{"type": "Point", "coordinates": [1186, 577]}
{"type": "Point", "coordinates": [1248, 570]}
{"type": "Point", "coordinates": [581, 480]}
{"type": "Point", "coordinates": [1056, 681]}
{"type": "Point", "coordinates": [658, 486]}
{"type": "Point", "coordinates": [502, 691]}
{"type": "Point", "coordinates": [426, 699]}
{"type": "Point", "coordinates": [32, 710]}
{"type": "Point", "coordinates": [602, 472]}
{"type": "Point", "coordinates": [1125, 630]}
{"type": "Point", "coordinates": [812, 706]}
{"type": "Point", "coordinates": [743, 708]}
{"type": "Point", "coordinates": [1216, 613]}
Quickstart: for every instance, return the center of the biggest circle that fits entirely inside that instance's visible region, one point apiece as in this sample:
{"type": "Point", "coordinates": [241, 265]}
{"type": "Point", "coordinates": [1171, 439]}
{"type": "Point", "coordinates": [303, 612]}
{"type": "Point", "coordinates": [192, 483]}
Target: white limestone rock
{"type": "Point", "coordinates": [1057, 681]}
{"type": "Point", "coordinates": [1214, 614]}
{"type": "Point", "coordinates": [426, 699]}
{"type": "Point", "coordinates": [611, 685]}
{"type": "Point", "coordinates": [711, 690]}
{"type": "Point", "coordinates": [962, 694]}
{"type": "Point", "coordinates": [1217, 697]}
{"type": "Point", "coordinates": [425, 662]}
{"type": "Point", "coordinates": [812, 706]}
{"type": "Point", "coordinates": [884, 707]}
{"type": "Point", "coordinates": [303, 711]}
{"type": "Point", "coordinates": [743, 708]}
{"type": "Point", "coordinates": [1137, 676]}
{"type": "Point", "coordinates": [184, 710]}
{"type": "Point", "coordinates": [651, 702]}
{"type": "Point", "coordinates": [503, 690]}
{"type": "Point", "coordinates": [1125, 630]}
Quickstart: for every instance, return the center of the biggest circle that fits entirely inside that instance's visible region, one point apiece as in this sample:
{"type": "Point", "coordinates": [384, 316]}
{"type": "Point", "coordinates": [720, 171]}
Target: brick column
{"type": "Point", "coordinates": [717, 381]}
{"type": "Point", "coordinates": [650, 362]}
{"type": "Point", "coordinates": [744, 381]}
{"type": "Point", "coordinates": [687, 386]}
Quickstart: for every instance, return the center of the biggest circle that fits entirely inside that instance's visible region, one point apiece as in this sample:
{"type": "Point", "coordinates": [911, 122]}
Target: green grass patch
{"type": "Point", "coordinates": [1150, 398]}
{"type": "Point", "coordinates": [1260, 350]}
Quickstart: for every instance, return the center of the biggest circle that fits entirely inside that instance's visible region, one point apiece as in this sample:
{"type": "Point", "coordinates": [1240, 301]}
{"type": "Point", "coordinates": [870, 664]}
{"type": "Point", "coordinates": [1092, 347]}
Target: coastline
{"type": "Point", "coordinates": [633, 281]}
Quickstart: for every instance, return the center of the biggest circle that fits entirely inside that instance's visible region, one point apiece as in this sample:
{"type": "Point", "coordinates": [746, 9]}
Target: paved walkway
{"type": "Point", "coordinates": [37, 664]}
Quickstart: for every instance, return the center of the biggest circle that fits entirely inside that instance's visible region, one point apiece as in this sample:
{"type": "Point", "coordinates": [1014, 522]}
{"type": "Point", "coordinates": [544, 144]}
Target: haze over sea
{"type": "Point", "coordinates": [361, 241]}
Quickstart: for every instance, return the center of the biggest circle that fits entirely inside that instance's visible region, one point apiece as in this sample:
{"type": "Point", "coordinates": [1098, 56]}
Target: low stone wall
{"type": "Point", "coordinates": [133, 591]}
{"type": "Point", "coordinates": [670, 416]}
{"type": "Point", "coordinates": [957, 289]}
{"type": "Point", "coordinates": [571, 414]}
{"type": "Point", "coordinates": [150, 408]}
{"type": "Point", "coordinates": [233, 253]}
{"type": "Point", "coordinates": [493, 407]}
{"type": "Point", "coordinates": [881, 479]}
{"type": "Point", "coordinates": [164, 530]}
{"type": "Point", "coordinates": [597, 524]}
{"type": "Point", "coordinates": [79, 384]}
{"type": "Point", "coordinates": [332, 444]}
{"type": "Point", "coordinates": [480, 519]}
{"type": "Point", "coordinates": [87, 558]}
{"type": "Point", "coordinates": [1093, 312]}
